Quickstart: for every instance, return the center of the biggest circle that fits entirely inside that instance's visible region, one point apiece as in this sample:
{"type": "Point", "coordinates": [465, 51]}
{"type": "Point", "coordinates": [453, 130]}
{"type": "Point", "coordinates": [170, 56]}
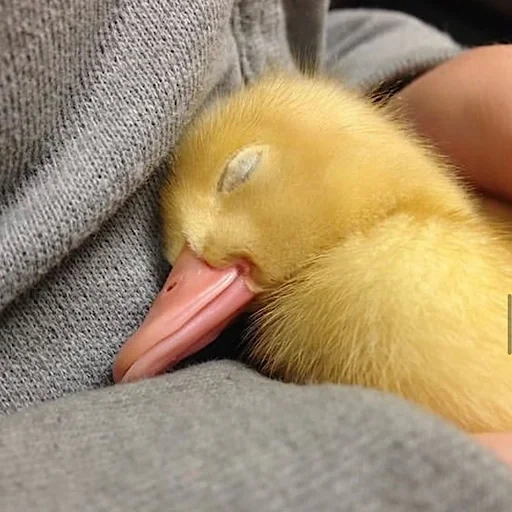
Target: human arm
{"type": "Point", "coordinates": [464, 106]}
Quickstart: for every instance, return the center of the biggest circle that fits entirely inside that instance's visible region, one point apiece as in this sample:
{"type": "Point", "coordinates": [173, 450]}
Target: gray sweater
{"type": "Point", "coordinates": [93, 96]}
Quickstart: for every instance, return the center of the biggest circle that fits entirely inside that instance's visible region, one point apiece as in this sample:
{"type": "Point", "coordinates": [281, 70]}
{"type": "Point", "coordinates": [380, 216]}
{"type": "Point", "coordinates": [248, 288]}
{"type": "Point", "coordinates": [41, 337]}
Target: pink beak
{"type": "Point", "coordinates": [196, 303]}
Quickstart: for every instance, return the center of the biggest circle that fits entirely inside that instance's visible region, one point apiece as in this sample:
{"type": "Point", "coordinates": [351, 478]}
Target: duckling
{"type": "Point", "coordinates": [363, 256]}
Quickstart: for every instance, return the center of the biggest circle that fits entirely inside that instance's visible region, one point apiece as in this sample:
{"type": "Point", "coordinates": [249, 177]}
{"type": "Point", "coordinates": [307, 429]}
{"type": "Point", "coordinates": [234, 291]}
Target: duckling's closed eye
{"type": "Point", "coordinates": [240, 167]}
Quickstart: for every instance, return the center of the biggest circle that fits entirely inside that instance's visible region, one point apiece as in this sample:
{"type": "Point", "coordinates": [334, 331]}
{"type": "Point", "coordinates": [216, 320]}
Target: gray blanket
{"type": "Point", "coordinates": [93, 96]}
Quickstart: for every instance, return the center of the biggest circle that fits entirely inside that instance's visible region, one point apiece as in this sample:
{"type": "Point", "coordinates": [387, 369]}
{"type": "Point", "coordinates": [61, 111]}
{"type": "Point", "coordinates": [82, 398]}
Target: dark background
{"type": "Point", "coordinates": [471, 23]}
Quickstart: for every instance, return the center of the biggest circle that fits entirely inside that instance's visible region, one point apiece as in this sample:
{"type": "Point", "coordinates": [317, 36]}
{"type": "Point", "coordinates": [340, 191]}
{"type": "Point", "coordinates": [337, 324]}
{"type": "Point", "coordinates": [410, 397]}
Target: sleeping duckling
{"type": "Point", "coordinates": [364, 258]}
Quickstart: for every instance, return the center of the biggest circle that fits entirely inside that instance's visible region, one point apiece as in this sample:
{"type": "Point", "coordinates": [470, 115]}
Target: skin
{"type": "Point", "coordinates": [464, 107]}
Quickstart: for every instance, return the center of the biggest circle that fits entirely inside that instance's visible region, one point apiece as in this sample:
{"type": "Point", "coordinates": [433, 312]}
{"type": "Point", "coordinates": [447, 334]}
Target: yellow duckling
{"type": "Point", "coordinates": [366, 259]}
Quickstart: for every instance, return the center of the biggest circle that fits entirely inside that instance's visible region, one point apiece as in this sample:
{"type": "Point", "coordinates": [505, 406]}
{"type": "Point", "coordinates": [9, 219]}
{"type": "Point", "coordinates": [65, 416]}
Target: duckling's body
{"type": "Point", "coordinates": [415, 306]}
{"type": "Point", "coordinates": [374, 265]}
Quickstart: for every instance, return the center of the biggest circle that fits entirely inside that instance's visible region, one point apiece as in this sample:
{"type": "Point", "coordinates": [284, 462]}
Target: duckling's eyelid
{"type": "Point", "coordinates": [240, 168]}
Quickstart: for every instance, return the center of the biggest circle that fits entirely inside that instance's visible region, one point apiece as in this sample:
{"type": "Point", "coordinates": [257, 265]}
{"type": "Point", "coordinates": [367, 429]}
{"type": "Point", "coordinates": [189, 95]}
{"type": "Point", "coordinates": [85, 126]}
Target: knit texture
{"type": "Point", "coordinates": [219, 437]}
{"type": "Point", "coordinates": [94, 95]}
{"type": "Point", "coordinates": [97, 94]}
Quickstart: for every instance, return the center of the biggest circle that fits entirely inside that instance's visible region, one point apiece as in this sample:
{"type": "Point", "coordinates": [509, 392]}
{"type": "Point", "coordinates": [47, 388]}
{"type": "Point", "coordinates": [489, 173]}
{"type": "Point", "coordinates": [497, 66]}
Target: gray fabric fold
{"type": "Point", "coordinates": [368, 49]}
{"type": "Point", "coordinates": [218, 437]}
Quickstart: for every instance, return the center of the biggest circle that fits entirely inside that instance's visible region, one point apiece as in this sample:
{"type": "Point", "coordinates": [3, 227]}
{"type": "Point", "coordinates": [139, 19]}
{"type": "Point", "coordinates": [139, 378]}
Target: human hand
{"type": "Point", "coordinates": [464, 107]}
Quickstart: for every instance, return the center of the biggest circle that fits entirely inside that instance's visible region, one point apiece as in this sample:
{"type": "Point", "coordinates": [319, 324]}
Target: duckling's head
{"type": "Point", "coordinates": [252, 182]}
{"type": "Point", "coordinates": [262, 183]}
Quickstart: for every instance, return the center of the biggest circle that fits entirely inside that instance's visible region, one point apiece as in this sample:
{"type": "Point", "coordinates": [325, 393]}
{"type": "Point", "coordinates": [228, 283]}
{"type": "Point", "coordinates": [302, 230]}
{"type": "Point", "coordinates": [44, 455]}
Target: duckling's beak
{"type": "Point", "coordinates": [196, 303]}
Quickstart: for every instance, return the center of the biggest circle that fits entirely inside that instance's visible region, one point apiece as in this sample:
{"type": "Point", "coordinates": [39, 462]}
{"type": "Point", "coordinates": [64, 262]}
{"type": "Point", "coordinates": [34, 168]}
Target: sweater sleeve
{"type": "Point", "coordinates": [374, 49]}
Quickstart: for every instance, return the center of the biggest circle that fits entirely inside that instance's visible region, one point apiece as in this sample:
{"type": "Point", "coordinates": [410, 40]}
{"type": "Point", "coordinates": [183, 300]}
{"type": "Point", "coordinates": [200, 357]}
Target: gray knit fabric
{"type": "Point", "coordinates": [370, 48]}
{"type": "Point", "coordinates": [219, 438]}
{"type": "Point", "coordinates": [93, 96]}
